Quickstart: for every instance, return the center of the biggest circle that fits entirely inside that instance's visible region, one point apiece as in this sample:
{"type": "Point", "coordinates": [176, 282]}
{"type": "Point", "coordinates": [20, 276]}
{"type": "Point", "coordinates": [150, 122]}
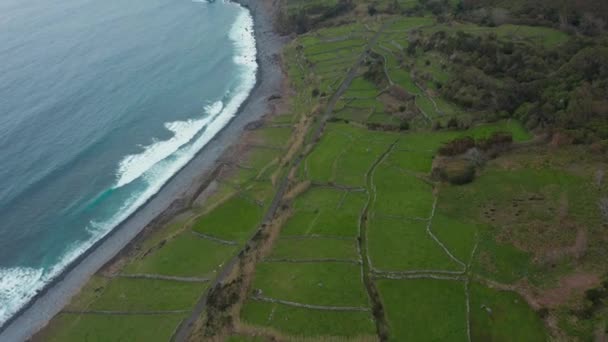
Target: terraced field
{"type": "Point", "coordinates": [340, 231]}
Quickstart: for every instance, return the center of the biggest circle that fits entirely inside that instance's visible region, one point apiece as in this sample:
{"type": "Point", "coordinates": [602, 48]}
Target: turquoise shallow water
{"type": "Point", "coordinates": [100, 104]}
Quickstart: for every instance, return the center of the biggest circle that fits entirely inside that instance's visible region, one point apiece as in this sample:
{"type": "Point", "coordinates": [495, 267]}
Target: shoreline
{"type": "Point", "coordinates": [174, 198]}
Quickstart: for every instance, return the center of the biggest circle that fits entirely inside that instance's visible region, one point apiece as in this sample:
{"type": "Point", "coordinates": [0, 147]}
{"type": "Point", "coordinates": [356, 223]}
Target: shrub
{"type": "Point", "coordinates": [497, 139]}
{"type": "Point", "coordinates": [457, 146]}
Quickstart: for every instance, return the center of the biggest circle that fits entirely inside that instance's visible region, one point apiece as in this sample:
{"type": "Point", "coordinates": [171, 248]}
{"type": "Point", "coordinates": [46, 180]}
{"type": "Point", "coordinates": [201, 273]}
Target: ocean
{"type": "Point", "coordinates": [101, 103]}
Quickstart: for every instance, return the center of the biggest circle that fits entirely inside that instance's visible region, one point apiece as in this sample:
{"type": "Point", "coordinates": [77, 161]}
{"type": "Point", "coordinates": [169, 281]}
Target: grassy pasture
{"type": "Point", "coordinates": [306, 322]}
{"type": "Point", "coordinates": [424, 310]}
{"type": "Point", "coordinates": [275, 136]}
{"type": "Point", "coordinates": [458, 235]}
{"type": "Point", "coordinates": [404, 79]}
{"type": "Point", "coordinates": [400, 194]}
{"type": "Point", "coordinates": [408, 23]}
{"type": "Point", "coordinates": [383, 119]}
{"type": "Point", "coordinates": [414, 161]}
{"type": "Point", "coordinates": [315, 248]}
{"type": "Point", "coordinates": [399, 245]}
{"type": "Point", "coordinates": [101, 328]}
{"type": "Point", "coordinates": [327, 283]}
{"type": "Point", "coordinates": [546, 36]}
{"type": "Point", "coordinates": [260, 157]}
{"type": "Point", "coordinates": [353, 165]}
{"type": "Point", "coordinates": [320, 163]}
{"type": "Point", "coordinates": [503, 316]}
{"type": "Point", "coordinates": [427, 107]}
{"type": "Point", "coordinates": [222, 222]}
{"type": "Point", "coordinates": [123, 294]}
{"type": "Point", "coordinates": [186, 256]}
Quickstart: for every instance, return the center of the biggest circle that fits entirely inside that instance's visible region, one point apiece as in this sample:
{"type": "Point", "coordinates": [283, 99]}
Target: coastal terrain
{"type": "Point", "coordinates": [397, 176]}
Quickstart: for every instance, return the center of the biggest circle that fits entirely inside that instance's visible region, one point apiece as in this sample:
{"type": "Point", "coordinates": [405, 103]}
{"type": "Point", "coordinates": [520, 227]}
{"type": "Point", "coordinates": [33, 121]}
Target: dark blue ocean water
{"type": "Point", "coordinates": [101, 102]}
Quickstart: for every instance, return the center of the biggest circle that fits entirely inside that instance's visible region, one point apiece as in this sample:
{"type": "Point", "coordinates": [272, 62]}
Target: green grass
{"type": "Point", "coordinates": [122, 294]}
{"type": "Point", "coordinates": [415, 161]}
{"type": "Point", "coordinates": [353, 165]}
{"type": "Point", "coordinates": [500, 261]}
{"type": "Point", "coordinates": [424, 309]}
{"type": "Point", "coordinates": [550, 38]}
{"type": "Point", "coordinates": [275, 136]}
{"type": "Point", "coordinates": [240, 338]}
{"type": "Point", "coordinates": [536, 34]}
{"type": "Point", "coordinates": [224, 224]}
{"type": "Point", "coordinates": [398, 245]}
{"type": "Point", "coordinates": [383, 119]}
{"type": "Point", "coordinates": [333, 284]}
{"type": "Point", "coordinates": [187, 256]}
{"type": "Point", "coordinates": [300, 223]}
{"type": "Point", "coordinates": [260, 157]}
{"type": "Point", "coordinates": [403, 78]}
{"type": "Point", "coordinates": [400, 194]}
{"type": "Point", "coordinates": [308, 323]}
{"type": "Point", "coordinates": [408, 23]}
{"type": "Point", "coordinates": [315, 248]}
{"type": "Point", "coordinates": [433, 67]}
{"type": "Point", "coordinates": [459, 236]}
{"type": "Point", "coordinates": [513, 126]}
{"type": "Point", "coordinates": [320, 163]}
{"type": "Point", "coordinates": [503, 316]}
{"type": "Point", "coordinates": [426, 106]}
{"type": "Point", "coordinates": [326, 212]}
{"type": "Point", "coordinates": [431, 141]}
{"type": "Point", "coordinates": [101, 328]}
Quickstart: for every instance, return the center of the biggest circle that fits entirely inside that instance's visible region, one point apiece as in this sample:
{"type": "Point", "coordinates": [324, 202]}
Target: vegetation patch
{"type": "Point", "coordinates": [223, 222]}
{"type": "Point", "coordinates": [326, 212]}
{"type": "Point", "coordinates": [424, 309]}
{"type": "Point", "coordinates": [315, 248]}
{"type": "Point", "coordinates": [124, 294]}
{"type": "Point", "coordinates": [187, 256]}
{"type": "Point", "coordinates": [503, 316]}
{"type": "Point", "coordinates": [98, 328]}
{"type": "Point", "coordinates": [400, 194]}
{"type": "Point", "coordinates": [327, 283]}
{"type": "Point", "coordinates": [404, 245]}
{"type": "Point", "coordinates": [301, 322]}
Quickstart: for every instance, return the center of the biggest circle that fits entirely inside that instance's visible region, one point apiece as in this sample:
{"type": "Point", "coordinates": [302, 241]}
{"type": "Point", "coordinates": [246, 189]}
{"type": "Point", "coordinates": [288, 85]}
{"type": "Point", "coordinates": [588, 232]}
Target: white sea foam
{"type": "Point", "coordinates": [156, 165]}
{"type": "Point", "coordinates": [135, 165]}
{"type": "Point", "coordinates": [17, 286]}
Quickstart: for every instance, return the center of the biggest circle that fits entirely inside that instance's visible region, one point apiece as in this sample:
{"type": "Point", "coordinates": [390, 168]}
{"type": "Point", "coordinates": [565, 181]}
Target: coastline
{"type": "Point", "coordinates": [174, 198]}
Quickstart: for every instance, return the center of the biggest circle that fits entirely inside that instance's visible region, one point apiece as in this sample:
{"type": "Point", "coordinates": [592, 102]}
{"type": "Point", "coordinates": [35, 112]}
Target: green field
{"type": "Point", "coordinates": [404, 245]}
{"type": "Point", "coordinates": [308, 323]}
{"type": "Point", "coordinates": [315, 248]}
{"type": "Point", "coordinates": [327, 283]}
{"type": "Point", "coordinates": [425, 310]}
{"type": "Point", "coordinates": [175, 258]}
{"type": "Point", "coordinates": [100, 328]}
{"type": "Point", "coordinates": [123, 294]}
{"type": "Point", "coordinates": [222, 223]}
{"type": "Point", "coordinates": [503, 316]}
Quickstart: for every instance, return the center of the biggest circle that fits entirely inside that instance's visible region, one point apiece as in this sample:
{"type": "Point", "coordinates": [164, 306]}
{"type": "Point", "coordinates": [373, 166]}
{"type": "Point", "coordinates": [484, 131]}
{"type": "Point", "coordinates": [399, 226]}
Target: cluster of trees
{"type": "Point", "coordinates": [564, 87]}
{"type": "Point", "coordinates": [306, 18]}
{"type": "Point", "coordinates": [584, 16]}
